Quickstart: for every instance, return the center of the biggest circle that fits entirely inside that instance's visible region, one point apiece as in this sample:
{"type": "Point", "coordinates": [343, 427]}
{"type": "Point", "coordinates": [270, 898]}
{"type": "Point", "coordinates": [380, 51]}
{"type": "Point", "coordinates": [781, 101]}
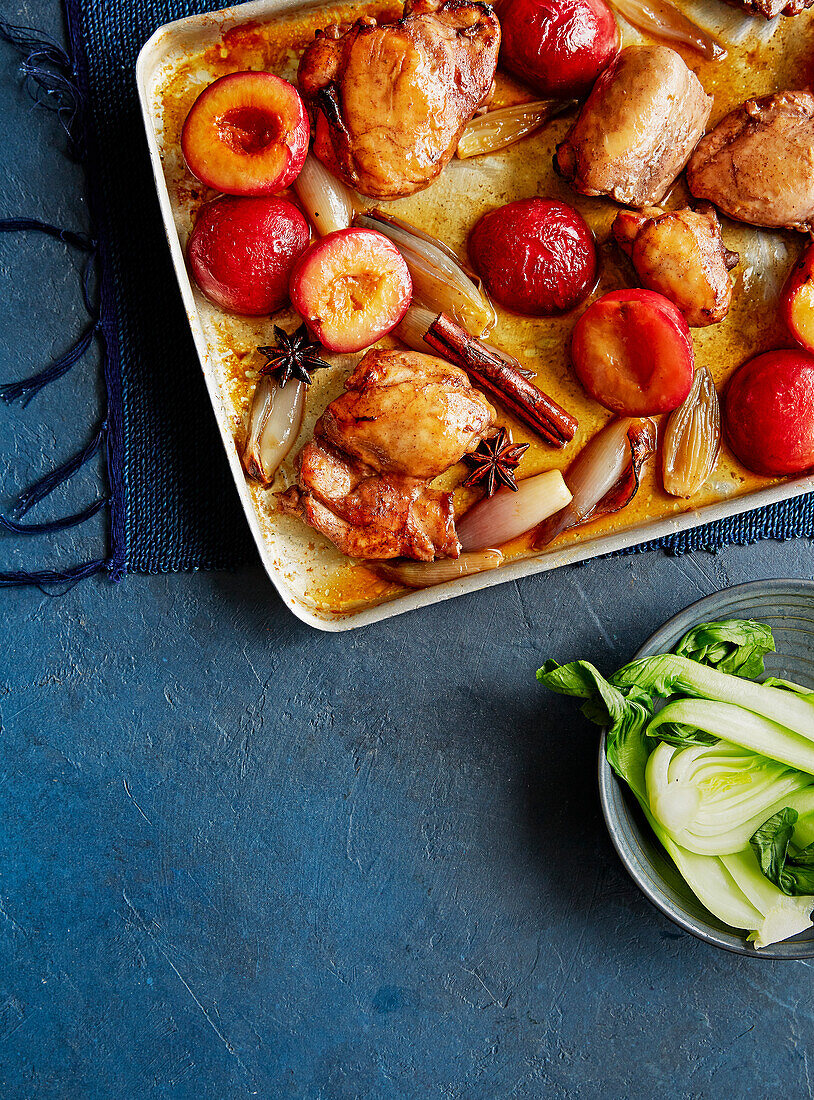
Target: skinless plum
{"type": "Point", "coordinates": [242, 250]}
{"type": "Point", "coordinates": [559, 47]}
{"type": "Point", "coordinates": [797, 300]}
{"type": "Point", "coordinates": [536, 256]}
{"type": "Point", "coordinates": [351, 287]}
{"type": "Point", "coordinates": [631, 350]}
{"type": "Point", "coordinates": [247, 134]}
{"type": "Point", "coordinates": [769, 413]}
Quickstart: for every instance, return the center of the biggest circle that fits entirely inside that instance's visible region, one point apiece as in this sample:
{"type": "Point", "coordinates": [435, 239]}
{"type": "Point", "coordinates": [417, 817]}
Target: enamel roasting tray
{"type": "Point", "coordinates": [286, 555]}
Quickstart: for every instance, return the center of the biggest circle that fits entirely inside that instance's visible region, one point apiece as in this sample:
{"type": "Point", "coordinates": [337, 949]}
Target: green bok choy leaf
{"type": "Point", "coordinates": [792, 872]}
{"type": "Point", "coordinates": [736, 645]}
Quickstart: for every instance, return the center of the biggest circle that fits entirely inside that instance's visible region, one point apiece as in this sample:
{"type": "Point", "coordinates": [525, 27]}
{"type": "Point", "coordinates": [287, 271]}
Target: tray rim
{"type": "Point", "coordinates": [159, 45]}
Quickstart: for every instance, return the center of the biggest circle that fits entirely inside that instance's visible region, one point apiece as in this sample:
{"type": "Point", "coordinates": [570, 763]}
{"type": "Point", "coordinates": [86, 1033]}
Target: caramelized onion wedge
{"type": "Point", "coordinates": [507, 514]}
{"type": "Point", "coordinates": [423, 574]}
{"type": "Point", "coordinates": [440, 281]}
{"type": "Point", "coordinates": [663, 20]}
{"type": "Point", "coordinates": [275, 419]}
{"type": "Point", "coordinates": [692, 439]}
{"type": "Point", "coordinates": [495, 130]}
{"type": "Point", "coordinates": [327, 202]}
{"type": "Point", "coordinates": [604, 476]}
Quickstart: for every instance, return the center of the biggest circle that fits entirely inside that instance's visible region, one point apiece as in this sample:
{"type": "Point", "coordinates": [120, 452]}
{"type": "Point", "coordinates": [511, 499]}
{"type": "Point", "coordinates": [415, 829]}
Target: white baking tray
{"type": "Point", "coordinates": [285, 556]}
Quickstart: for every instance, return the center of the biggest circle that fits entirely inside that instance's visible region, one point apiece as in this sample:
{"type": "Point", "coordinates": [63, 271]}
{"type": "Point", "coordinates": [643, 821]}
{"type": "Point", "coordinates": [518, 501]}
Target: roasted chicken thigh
{"type": "Point", "coordinates": [757, 165]}
{"type": "Point", "coordinates": [390, 102]}
{"type": "Point", "coordinates": [681, 255]}
{"type": "Point", "coordinates": [770, 8]}
{"type": "Point", "coordinates": [404, 418]}
{"type": "Point", "coordinates": [637, 128]}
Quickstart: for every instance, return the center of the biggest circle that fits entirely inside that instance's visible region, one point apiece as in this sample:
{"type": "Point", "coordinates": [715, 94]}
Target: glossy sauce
{"type": "Point", "coordinates": [449, 208]}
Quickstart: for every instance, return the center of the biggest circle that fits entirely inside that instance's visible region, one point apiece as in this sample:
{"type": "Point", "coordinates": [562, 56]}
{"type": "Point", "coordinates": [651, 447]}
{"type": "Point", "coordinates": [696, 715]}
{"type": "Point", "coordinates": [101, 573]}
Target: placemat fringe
{"type": "Point", "coordinates": [42, 577]}
{"type": "Point", "coordinates": [46, 485]}
{"type": "Point", "coordinates": [49, 76]}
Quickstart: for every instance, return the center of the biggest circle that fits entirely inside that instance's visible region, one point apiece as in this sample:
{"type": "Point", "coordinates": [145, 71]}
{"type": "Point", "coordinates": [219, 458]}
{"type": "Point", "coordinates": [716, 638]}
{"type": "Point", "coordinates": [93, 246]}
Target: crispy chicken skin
{"type": "Point", "coordinates": [390, 102]}
{"type": "Point", "coordinates": [682, 256]}
{"type": "Point", "coordinates": [367, 514]}
{"type": "Point", "coordinates": [362, 480]}
{"type": "Point", "coordinates": [637, 128]}
{"type": "Point", "coordinates": [757, 165]}
{"type": "Point", "coordinates": [407, 413]}
{"type": "Point", "coordinates": [770, 8]}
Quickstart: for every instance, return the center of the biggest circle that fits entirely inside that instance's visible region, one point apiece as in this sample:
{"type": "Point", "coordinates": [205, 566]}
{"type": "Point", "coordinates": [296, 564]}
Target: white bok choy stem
{"type": "Point", "coordinates": [424, 574]}
{"type": "Point", "coordinates": [712, 798]}
{"type": "Point", "coordinates": [441, 282]}
{"type": "Point", "coordinates": [275, 419]}
{"type": "Point", "coordinates": [502, 517]}
{"type": "Point", "coordinates": [782, 916]}
{"type": "Point", "coordinates": [783, 708]}
{"type": "Point", "coordinates": [328, 203]}
{"type": "Point", "coordinates": [740, 726]}
{"type": "Point", "coordinates": [496, 130]}
{"type": "Point", "coordinates": [663, 20]}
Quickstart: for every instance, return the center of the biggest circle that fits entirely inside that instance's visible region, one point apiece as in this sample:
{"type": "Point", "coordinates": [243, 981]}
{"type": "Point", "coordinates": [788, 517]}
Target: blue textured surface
{"type": "Point", "coordinates": [243, 858]}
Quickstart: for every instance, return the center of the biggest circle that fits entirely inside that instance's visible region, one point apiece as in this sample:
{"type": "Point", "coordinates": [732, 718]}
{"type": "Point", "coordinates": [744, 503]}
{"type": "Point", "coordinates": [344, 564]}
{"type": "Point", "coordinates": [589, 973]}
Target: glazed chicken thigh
{"type": "Point", "coordinates": [390, 102]}
{"type": "Point", "coordinates": [757, 165]}
{"type": "Point", "coordinates": [681, 255]}
{"type": "Point", "coordinates": [404, 418]}
{"type": "Point", "coordinates": [637, 128]}
{"type": "Point", "coordinates": [770, 8]}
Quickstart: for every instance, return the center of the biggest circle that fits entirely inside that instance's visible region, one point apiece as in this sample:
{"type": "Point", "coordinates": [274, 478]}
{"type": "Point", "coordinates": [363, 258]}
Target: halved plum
{"type": "Point", "coordinates": [632, 351]}
{"type": "Point", "coordinates": [247, 134]}
{"type": "Point", "coordinates": [242, 250]}
{"type": "Point", "coordinates": [351, 288]}
{"type": "Point", "coordinates": [797, 300]}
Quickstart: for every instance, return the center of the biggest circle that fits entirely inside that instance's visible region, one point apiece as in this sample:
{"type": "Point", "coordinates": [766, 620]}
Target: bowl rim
{"type": "Point", "coordinates": [609, 783]}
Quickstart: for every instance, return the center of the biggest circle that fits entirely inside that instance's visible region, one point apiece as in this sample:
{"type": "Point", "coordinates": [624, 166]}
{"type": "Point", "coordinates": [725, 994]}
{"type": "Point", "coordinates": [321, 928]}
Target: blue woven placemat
{"type": "Point", "coordinates": [171, 498]}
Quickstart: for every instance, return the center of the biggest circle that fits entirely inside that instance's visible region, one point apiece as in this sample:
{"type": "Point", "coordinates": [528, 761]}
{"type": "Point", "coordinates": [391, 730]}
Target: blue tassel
{"type": "Point", "coordinates": [67, 236]}
{"type": "Point", "coordinates": [50, 79]}
{"type": "Point", "coordinates": [52, 82]}
{"type": "Point", "coordinates": [46, 485]}
{"type": "Point", "coordinates": [43, 577]}
{"type": "Point", "coordinates": [28, 388]}
{"type": "Point", "coordinates": [56, 524]}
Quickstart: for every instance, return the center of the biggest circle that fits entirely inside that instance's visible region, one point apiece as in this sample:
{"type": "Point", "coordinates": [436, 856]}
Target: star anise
{"type": "Point", "coordinates": [294, 356]}
{"type": "Point", "coordinates": [494, 462]}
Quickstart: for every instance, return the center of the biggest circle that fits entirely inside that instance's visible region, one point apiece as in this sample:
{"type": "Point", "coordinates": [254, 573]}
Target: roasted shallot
{"type": "Point", "coordinates": [663, 20]}
{"type": "Point", "coordinates": [440, 280]}
{"type": "Point", "coordinates": [692, 439]}
{"type": "Point", "coordinates": [498, 519]}
{"type": "Point", "coordinates": [604, 477]}
{"type": "Point", "coordinates": [328, 203]}
{"type": "Point", "coordinates": [424, 574]}
{"type": "Point", "coordinates": [495, 130]}
{"type": "Point", "coordinates": [275, 418]}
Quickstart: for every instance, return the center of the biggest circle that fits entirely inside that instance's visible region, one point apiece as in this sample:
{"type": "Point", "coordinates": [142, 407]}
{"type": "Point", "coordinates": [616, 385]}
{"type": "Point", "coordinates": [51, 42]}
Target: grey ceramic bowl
{"type": "Point", "coordinates": [788, 607]}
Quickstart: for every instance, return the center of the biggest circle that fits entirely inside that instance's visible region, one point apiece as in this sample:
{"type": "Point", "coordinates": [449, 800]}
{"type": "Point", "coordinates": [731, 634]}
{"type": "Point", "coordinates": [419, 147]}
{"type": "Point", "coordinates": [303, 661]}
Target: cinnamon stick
{"type": "Point", "coordinates": [528, 403]}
